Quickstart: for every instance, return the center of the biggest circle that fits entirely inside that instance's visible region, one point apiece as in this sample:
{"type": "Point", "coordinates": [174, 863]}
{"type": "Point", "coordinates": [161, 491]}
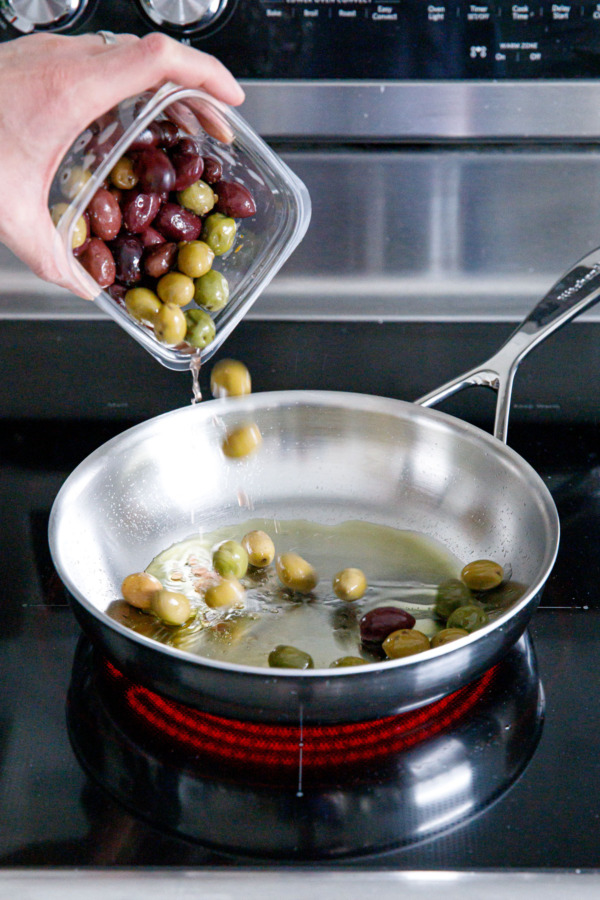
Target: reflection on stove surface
{"type": "Point", "coordinates": [315, 792]}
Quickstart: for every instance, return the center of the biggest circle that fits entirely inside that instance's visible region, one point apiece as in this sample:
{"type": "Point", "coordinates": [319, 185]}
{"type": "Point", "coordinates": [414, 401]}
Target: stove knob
{"type": "Point", "coordinates": [27, 15]}
{"type": "Point", "coordinates": [185, 14]}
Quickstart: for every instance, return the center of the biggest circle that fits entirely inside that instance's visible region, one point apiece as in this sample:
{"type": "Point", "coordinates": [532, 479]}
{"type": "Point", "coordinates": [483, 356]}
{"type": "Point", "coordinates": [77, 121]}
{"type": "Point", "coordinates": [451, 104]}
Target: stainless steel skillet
{"type": "Point", "coordinates": [326, 457]}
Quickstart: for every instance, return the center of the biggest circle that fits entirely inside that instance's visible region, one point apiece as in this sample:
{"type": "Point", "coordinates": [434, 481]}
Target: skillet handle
{"type": "Point", "coordinates": [576, 291]}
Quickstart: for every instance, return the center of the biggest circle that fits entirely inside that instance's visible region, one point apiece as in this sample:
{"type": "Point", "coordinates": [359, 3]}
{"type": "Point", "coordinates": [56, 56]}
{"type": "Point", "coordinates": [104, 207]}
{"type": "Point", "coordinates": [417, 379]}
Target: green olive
{"type": "Point", "coordinates": [169, 323]}
{"type": "Point", "coordinates": [230, 560]}
{"type": "Point", "coordinates": [469, 617]}
{"type": "Point", "coordinates": [344, 661]}
{"type": "Point", "coordinates": [122, 174]}
{"type": "Point", "coordinates": [175, 287]}
{"type": "Point", "coordinates": [242, 441]}
{"type": "Point", "coordinates": [137, 589]}
{"type": "Point", "coordinates": [286, 657]}
{"type": "Point", "coordinates": [170, 607]}
{"type": "Point", "coordinates": [211, 290]}
{"type": "Point", "coordinates": [260, 548]}
{"type": "Point", "coordinates": [219, 233]}
{"type": "Point", "coordinates": [230, 378]}
{"type": "Point", "coordinates": [503, 596]}
{"type": "Point", "coordinates": [142, 304]}
{"type": "Point", "coordinates": [228, 592]}
{"type": "Point", "coordinates": [450, 595]}
{"type": "Point", "coordinates": [201, 329]}
{"type": "Point", "coordinates": [194, 258]}
{"type": "Point", "coordinates": [350, 584]}
{"type": "Point", "coordinates": [447, 635]}
{"type": "Point", "coordinates": [482, 574]}
{"type": "Point", "coordinates": [296, 573]}
{"type": "Point", "coordinates": [80, 230]}
{"type": "Point", "coordinates": [198, 197]}
{"type": "Point", "coordinates": [75, 181]}
{"type": "Point", "coordinates": [405, 642]}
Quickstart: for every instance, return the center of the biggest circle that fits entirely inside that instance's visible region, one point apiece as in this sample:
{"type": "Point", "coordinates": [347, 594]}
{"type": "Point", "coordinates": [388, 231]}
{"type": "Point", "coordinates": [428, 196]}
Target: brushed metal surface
{"type": "Point", "coordinates": [404, 234]}
{"type": "Point", "coordinates": [154, 884]}
{"type": "Point", "coordinates": [424, 110]}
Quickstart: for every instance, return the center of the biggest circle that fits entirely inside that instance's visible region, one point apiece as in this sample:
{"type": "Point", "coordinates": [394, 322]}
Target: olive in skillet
{"type": "Point", "coordinates": [230, 559]}
{"type": "Point", "coordinates": [482, 574]}
{"type": "Point", "coordinates": [448, 636]}
{"type": "Point", "coordinates": [296, 573]}
{"type": "Point", "coordinates": [405, 642]}
{"type": "Point", "coordinates": [227, 592]}
{"type": "Point", "coordinates": [350, 584]}
{"type": "Point", "coordinates": [376, 624]}
{"type": "Point", "coordinates": [139, 588]}
{"type": "Point", "coordinates": [287, 657]}
{"type": "Point", "coordinates": [345, 661]}
{"type": "Point", "coordinates": [450, 595]}
{"type": "Point", "coordinates": [170, 607]}
{"type": "Point", "coordinates": [260, 549]}
{"type": "Point", "coordinates": [470, 617]}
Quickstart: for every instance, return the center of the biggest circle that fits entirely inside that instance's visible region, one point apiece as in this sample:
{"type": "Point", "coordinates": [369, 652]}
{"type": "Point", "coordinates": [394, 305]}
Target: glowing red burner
{"type": "Point", "coordinates": [234, 741]}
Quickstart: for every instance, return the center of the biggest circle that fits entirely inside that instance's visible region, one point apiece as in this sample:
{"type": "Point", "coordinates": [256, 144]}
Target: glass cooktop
{"type": "Point", "coordinates": [502, 775]}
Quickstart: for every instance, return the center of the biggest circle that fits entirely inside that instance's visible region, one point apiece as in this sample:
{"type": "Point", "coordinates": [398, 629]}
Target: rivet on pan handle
{"type": "Point", "coordinates": [576, 291]}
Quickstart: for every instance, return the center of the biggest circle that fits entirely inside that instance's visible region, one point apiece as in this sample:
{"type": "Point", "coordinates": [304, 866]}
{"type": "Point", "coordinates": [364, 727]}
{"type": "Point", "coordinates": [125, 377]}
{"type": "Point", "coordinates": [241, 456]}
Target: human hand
{"type": "Point", "coordinates": [51, 88]}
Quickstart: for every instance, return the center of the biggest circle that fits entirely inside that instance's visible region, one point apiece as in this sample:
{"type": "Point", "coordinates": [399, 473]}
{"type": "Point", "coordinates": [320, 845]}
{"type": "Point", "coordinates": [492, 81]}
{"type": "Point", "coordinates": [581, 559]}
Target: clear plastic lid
{"type": "Point", "coordinates": [262, 242]}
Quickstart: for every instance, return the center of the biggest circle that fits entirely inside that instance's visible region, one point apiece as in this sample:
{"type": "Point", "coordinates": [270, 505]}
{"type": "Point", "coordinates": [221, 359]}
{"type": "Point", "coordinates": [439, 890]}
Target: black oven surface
{"type": "Point", "coordinates": [543, 810]}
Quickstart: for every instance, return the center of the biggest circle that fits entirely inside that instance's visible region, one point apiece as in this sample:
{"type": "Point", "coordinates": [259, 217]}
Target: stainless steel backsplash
{"type": "Point", "coordinates": [439, 232]}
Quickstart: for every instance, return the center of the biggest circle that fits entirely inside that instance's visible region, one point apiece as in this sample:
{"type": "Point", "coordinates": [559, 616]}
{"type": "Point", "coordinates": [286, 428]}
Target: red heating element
{"type": "Point", "coordinates": [263, 744]}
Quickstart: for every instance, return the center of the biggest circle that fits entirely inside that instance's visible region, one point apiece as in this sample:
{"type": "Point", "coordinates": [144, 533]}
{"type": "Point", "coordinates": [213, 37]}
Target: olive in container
{"type": "Point", "coordinates": [169, 204]}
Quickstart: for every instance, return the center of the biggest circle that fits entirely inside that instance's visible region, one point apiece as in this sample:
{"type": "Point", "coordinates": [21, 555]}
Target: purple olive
{"type": "Point", "coordinates": [188, 163]}
{"type": "Point", "coordinates": [155, 171]}
{"type": "Point", "coordinates": [176, 223]}
{"type": "Point", "coordinates": [139, 209]}
{"type": "Point", "coordinates": [104, 138]}
{"type": "Point", "coordinates": [235, 200]}
{"type": "Point", "coordinates": [99, 262]}
{"type": "Point", "coordinates": [127, 251]}
{"type": "Point", "coordinates": [188, 170]}
{"type": "Point", "coordinates": [168, 134]}
{"type": "Point", "coordinates": [381, 621]}
{"type": "Point", "coordinates": [151, 238]}
{"type": "Point", "coordinates": [158, 260]}
{"type": "Point", "coordinates": [117, 292]}
{"type": "Point", "coordinates": [149, 137]}
{"type": "Point", "coordinates": [213, 170]}
{"type": "Point", "coordinates": [105, 215]}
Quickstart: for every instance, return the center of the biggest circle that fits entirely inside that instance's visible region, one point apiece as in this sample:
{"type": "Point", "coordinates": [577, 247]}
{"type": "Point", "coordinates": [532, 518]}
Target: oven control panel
{"type": "Point", "coordinates": [349, 39]}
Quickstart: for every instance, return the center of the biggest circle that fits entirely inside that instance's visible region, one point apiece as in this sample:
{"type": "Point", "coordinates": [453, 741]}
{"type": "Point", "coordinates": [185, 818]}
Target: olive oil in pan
{"type": "Point", "coordinates": [402, 568]}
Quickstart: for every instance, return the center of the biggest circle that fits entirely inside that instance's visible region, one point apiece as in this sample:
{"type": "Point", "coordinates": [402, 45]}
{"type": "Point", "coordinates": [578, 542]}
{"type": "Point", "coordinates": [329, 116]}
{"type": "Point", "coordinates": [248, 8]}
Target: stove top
{"type": "Point", "coordinates": [513, 784]}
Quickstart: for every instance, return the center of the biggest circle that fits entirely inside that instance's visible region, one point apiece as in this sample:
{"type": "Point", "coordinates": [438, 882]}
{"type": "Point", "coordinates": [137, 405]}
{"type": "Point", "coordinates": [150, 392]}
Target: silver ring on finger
{"type": "Point", "coordinates": [108, 37]}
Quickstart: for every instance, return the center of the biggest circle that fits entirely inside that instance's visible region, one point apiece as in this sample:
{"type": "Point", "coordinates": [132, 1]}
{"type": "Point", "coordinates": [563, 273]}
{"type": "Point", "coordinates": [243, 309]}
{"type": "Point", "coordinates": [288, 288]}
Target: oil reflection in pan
{"type": "Point", "coordinates": [306, 793]}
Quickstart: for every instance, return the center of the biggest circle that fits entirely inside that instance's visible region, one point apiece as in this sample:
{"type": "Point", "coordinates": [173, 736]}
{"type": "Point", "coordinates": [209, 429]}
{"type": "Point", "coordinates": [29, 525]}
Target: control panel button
{"type": "Point", "coordinates": [184, 14]}
{"type": "Point", "coordinates": [27, 15]}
